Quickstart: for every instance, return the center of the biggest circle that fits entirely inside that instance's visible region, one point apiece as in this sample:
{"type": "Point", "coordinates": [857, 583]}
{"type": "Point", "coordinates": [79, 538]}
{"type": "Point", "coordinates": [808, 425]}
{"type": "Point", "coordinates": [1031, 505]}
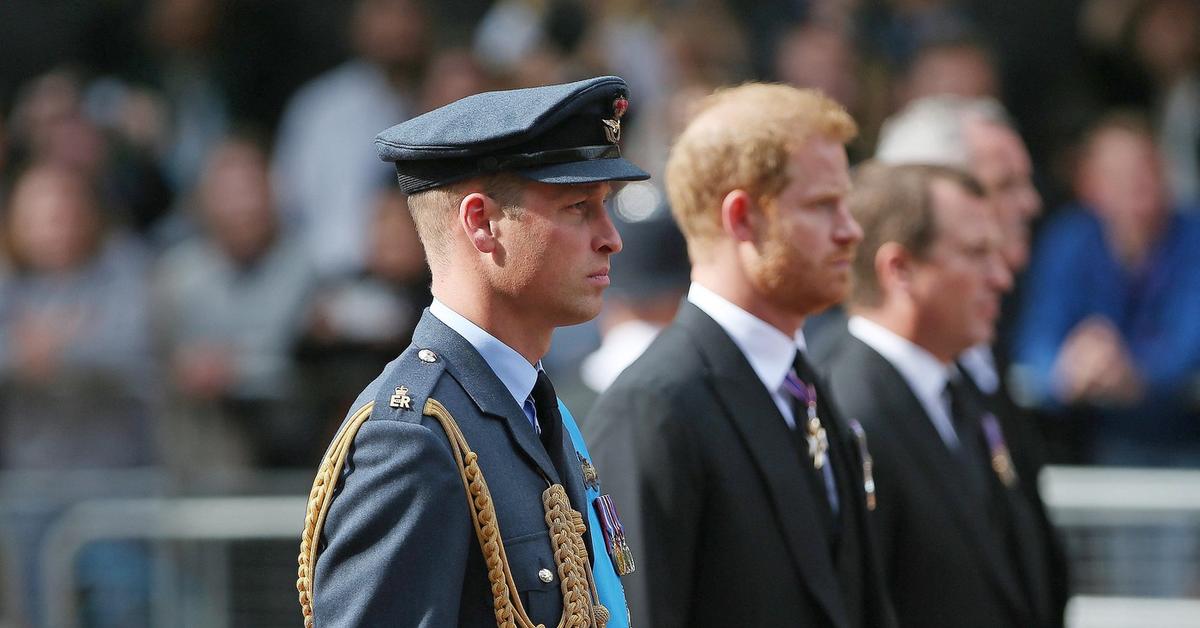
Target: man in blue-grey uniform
{"type": "Point", "coordinates": [458, 492]}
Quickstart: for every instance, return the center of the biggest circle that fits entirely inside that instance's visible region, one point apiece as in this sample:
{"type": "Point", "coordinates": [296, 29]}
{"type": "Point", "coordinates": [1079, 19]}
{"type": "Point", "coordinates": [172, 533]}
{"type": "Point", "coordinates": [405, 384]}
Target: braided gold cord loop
{"type": "Point", "coordinates": [566, 528]}
{"type": "Point", "coordinates": [319, 499]}
{"type": "Point", "coordinates": [565, 524]}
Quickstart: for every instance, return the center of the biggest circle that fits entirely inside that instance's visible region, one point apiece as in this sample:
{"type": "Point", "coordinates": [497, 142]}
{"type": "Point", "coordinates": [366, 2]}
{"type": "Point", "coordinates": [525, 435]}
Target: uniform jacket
{"type": "Point", "coordinates": [943, 563]}
{"type": "Point", "coordinates": [718, 512]}
{"type": "Point", "coordinates": [398, 544]}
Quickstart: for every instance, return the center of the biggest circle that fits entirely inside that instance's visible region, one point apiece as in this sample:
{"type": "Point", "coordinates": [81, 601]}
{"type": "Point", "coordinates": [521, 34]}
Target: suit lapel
{"type": "Point", "coordinates": [754, 415]}
{"type": "Point", "coordinates": [940, 468]}
{"type": "Point", "coordinates": [465, 364]}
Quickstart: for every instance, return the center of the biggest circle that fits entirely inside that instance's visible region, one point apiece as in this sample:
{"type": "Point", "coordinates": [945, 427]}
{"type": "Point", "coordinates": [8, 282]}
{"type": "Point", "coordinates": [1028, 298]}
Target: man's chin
{"type": "Point", "coordinates": [579, 314]}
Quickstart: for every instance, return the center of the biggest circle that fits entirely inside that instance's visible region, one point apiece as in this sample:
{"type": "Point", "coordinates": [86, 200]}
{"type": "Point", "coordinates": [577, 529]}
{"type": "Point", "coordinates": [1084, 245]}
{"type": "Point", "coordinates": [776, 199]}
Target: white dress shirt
{"type": "Point", "coordinates": [514, 371]}
{"type": "Point", "coordinates": [769, 351]}
{"type": "Point", "coordinates": [926, 375]}
{"type": "Point", "coordinates": [980, 363]}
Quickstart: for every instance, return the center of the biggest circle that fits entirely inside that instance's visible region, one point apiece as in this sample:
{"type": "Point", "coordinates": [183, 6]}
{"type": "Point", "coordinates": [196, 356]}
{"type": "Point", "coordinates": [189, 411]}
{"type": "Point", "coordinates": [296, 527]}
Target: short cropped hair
{"type": "Point", "coordinates": [894, 203]}
{"type": "Point", "coordinates": [433, 209]}
{"type": "Point", "coordinates": [932, 130]}
{"type": "Point", "coordinates": [741, 138]}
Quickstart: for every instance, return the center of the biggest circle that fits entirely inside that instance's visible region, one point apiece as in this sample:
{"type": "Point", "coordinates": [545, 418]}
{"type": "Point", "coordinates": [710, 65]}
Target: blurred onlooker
{"type": "Point", "coordinates": [700, 53]}
{"type": "Point", "coordinates": [1166, 42]}
{"type": "Point", "coordinates": [453, 74]}
{"type": "Point", "coordinates": [325, 167]}
{"type": "Point", "coordinates": [821, 57]}
{"type": "Point", "coordinates": [52, 123]}
{"type": "Point", "coordinates": [358, 324]}
{"type": "Point", "coordinates": [73, 333]}
{"type": "Point", "coordinates": [228, 308]}
{"type": "Point", "coordinates": [535, 42]}
{"type": "Point", "coordinates": [182, 46]}
{"type": "Point", "coordinates": [975, 135]}
{"type": "Point", "coordinates": [960, 67]}
{"type": "Point", "coordinates": [897, 30]}
{"type": "Point", "coordinates": [1108, 323]}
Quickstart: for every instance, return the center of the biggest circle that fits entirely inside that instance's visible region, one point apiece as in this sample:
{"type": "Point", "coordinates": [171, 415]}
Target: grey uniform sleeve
{"type": "Point", "coordinates": [397, 534]}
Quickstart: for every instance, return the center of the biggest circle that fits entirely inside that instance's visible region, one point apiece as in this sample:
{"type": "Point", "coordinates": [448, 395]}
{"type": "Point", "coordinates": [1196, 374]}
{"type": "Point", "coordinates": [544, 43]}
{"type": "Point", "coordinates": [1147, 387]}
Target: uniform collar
{"type": "Point", "coordinates": [514, 371]}
{"type": "Point", "coordinates": [769, 351]}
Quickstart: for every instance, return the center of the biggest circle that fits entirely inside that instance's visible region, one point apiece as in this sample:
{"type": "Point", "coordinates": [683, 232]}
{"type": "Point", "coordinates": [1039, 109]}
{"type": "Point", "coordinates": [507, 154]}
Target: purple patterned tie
{"type": "Point", "coordinates": [809, 424]}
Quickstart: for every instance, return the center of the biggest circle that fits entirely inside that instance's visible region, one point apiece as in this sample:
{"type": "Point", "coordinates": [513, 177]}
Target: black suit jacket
{"type": "Point", "coordinates": [724, 524]}
{"type": "Point", "coordinates": [945, 557]}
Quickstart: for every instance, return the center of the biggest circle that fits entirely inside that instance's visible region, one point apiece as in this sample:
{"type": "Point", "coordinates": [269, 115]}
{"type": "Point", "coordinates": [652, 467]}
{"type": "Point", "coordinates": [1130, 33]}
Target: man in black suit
{"type": "Point", "coordinates": [962, 541]}
{"type": "Point", "coordinates": [743, 491]}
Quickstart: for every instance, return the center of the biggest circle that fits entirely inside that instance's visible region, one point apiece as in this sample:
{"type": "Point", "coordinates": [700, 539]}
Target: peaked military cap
{"type": "Point", "coordinates": [567, 133]}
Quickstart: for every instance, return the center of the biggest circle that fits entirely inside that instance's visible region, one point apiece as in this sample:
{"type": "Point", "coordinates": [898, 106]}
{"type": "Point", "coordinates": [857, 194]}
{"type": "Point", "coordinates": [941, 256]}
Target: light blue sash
{"type": "Point", "coordinates": [608, 583]}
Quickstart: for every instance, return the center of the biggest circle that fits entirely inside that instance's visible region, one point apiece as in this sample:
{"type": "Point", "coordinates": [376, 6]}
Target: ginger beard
{"type": "Point", "coordinates": [795, 268]}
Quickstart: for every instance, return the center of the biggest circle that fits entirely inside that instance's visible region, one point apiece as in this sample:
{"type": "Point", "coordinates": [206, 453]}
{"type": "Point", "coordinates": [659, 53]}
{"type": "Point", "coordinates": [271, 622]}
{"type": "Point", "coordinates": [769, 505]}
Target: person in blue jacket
{"type": "Point", "coordinates": [1108, 327]}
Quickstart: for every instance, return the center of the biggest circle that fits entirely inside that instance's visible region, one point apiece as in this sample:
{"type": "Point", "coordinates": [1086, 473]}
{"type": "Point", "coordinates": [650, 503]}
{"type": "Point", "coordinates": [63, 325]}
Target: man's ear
{"type": "Point", "coordinates": [737, 215]}
{"type": "Point", "coordinates": [476, 213]}
{"type": "Point", "coordinates": [893, 267]}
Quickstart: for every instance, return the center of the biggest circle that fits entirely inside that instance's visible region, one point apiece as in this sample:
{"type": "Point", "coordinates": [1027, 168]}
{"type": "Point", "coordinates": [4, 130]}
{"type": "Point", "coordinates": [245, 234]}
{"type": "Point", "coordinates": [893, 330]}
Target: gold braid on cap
{"type": "Point", "coordinates": [581, 607]}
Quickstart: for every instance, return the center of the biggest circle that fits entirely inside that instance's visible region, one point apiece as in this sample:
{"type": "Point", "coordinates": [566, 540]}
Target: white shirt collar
{"type": "Point", "coordinates": [926, 375]}
{"type": "Point", "coordinates": [514, 371]}
{"type": "Point", "coordinates": [769, 351]}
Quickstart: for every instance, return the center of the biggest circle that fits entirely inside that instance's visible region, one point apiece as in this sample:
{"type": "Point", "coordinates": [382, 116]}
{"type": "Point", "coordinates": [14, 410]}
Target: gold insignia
{"type": "Point", "coordinates": [401, 399]}
{"type": "Point", "coordinates": [590, 478]}
{"type": "Point", "coordinates": [612, 127]}
{"type": "Point", "coordinates": [818, 442]}
{"type": "Point", "coordinates": [1003, 466]}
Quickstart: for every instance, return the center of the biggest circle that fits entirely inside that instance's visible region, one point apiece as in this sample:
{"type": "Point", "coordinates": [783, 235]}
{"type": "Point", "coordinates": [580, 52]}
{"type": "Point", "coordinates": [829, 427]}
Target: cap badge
{"type": "Point", "coordinates": [612, 128]}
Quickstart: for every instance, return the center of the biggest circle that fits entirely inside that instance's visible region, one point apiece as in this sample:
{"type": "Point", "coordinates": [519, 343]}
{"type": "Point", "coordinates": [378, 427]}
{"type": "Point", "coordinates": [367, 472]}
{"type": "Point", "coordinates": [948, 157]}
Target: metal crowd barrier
{"type": "Point", "coordinates": [198, 544]}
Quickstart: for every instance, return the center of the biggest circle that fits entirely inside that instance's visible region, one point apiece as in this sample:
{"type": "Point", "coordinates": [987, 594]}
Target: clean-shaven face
{"type": "Point", "coordinates": [555, 254]}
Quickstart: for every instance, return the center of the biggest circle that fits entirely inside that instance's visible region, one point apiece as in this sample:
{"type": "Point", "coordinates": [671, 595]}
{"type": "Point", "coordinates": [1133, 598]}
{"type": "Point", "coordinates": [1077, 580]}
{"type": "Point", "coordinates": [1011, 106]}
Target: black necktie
{"type": "Point", "coordinates": [545, 403]}
{"type": "Point", "coordinates": [966, 412]}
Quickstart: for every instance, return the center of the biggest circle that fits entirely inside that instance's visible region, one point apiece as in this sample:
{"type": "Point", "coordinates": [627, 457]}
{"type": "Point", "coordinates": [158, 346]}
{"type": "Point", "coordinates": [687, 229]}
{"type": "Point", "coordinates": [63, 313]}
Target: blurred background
{"type": "Point", "coordinates": [202, 261]}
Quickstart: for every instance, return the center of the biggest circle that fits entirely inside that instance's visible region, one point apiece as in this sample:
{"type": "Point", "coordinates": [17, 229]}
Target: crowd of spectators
{"type": "Point", "coordinates": [202, 258]}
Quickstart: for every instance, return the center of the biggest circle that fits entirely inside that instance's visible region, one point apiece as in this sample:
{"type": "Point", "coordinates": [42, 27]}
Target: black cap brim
{"type": "Point", "coordinates": [590, 171]}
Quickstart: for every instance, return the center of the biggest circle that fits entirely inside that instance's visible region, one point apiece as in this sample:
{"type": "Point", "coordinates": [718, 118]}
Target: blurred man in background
{"type": "Point", "coordinates": [229, 307]}
{"type": "Point", "coordinates": [73, 332]}
{"type": "Point", "coordinates": [325, 171]}
{"type": "Point", "coordinates": [76, 383]}
{"type": "Point", "coordinates": [356, 324]}
{"type": "Point", "coordinates": [962, 543]}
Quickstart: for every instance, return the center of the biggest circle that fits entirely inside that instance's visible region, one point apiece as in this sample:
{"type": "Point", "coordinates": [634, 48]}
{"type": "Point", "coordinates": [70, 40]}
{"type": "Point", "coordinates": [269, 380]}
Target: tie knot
{"type": "Point", "coordinates": [799, 381]}
{"type": "Point", "coordinates": [803, 369]}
